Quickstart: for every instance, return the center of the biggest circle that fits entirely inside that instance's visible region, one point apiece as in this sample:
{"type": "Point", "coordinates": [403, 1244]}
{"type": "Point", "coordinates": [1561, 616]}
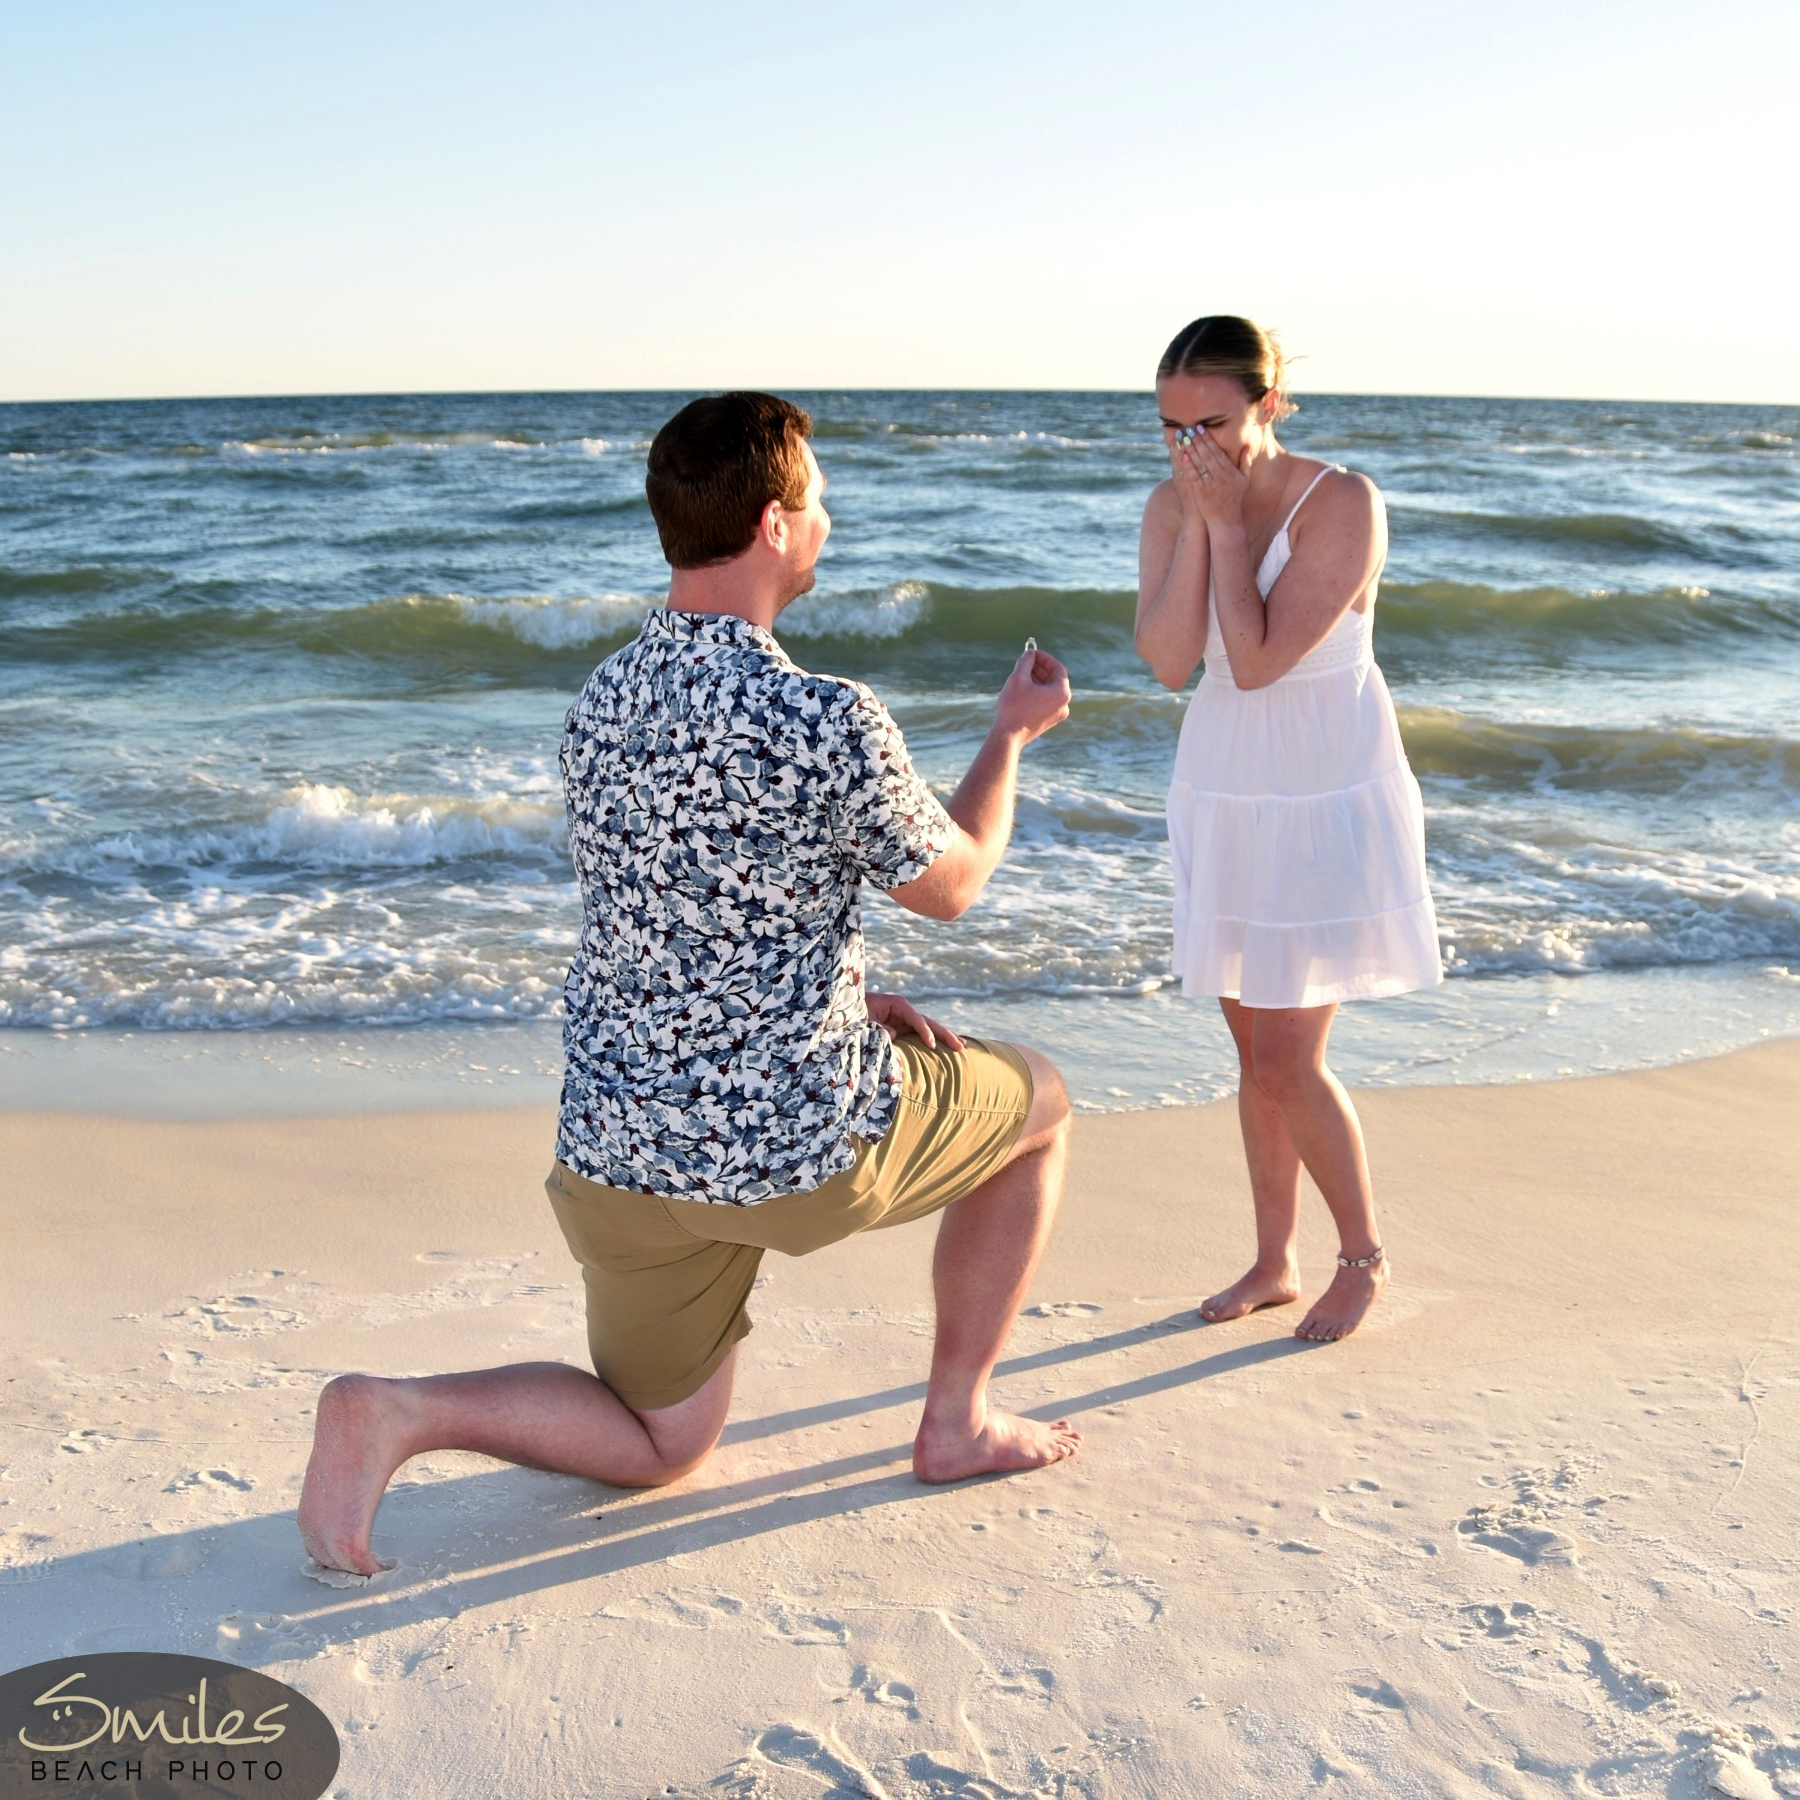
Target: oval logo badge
{"type": "Point", "coordinates": [141, 1724]}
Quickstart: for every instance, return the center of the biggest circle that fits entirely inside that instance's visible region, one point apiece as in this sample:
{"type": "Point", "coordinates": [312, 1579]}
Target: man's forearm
{"type": "Point", "coordinates": [983, 804]}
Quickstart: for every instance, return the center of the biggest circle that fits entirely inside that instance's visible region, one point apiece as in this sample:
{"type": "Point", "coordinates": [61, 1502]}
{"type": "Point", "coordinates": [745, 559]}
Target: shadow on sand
{"type": "Point", "coordinates": [503, 1534]}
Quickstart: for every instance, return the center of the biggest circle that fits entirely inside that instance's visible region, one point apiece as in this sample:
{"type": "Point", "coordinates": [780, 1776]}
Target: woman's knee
{"type": "Point", "coordinates": [1240, 1021]}
{"type": "Point", "coordinates": [1283, 1069]}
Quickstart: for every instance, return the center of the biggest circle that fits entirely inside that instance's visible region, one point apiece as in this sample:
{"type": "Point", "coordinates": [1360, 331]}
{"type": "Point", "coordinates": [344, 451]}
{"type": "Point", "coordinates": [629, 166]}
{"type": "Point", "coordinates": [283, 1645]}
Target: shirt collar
{"type": "Point", "coordinates": [710, 628]}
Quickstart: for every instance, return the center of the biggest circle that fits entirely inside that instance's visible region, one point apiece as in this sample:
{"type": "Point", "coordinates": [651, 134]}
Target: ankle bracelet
{"type": "Point", "coordinates": [1362, 1262]}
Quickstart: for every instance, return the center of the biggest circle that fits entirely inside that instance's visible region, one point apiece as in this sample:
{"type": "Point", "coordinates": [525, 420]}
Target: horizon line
{"type": "Point", "coordinates": [473, 393]}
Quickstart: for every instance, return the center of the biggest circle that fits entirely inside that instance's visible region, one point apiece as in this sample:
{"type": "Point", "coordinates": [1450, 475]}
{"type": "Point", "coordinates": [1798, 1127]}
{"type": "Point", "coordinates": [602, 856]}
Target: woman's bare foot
{"type": "Point", "coordinates": [1341, 1308]}
{"type": "Point", "coordinates": [1249, 1293]}
{"type": "Point", "coordinates": [360, 1438]}
{"type": "Point", "coordinates": [1002, 1445]}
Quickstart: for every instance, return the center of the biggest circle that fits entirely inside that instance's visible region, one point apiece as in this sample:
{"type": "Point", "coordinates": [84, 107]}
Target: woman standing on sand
{"type": "Point", "coordinates": [1295, 823]}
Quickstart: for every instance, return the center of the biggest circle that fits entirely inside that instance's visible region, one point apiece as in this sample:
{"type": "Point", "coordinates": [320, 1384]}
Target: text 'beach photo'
{"type": "Point", "coordinates": [900, 906]}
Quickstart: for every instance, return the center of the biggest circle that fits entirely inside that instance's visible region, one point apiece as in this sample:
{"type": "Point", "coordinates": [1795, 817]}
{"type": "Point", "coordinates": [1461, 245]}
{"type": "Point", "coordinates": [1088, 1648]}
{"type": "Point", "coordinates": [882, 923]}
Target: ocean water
{"type": "Point", "coordinates": [282, 682]}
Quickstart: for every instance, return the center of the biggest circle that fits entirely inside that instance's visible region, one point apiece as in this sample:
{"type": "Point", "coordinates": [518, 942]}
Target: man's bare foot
{"type": "Point", "coordinates": [1341, 1308]}
{"type": "Point", "coordinates": [1250, 1292]}
{"type": "Point", "coordinates": [359, 1440]}
{"type": "Point", "coordinates": [1003, 1445]}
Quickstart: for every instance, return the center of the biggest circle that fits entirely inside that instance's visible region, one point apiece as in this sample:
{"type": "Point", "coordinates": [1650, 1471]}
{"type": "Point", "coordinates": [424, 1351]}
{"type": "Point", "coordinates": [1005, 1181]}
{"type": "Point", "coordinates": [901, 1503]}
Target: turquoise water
{"type": "Point", "coordinates": [281, 684]}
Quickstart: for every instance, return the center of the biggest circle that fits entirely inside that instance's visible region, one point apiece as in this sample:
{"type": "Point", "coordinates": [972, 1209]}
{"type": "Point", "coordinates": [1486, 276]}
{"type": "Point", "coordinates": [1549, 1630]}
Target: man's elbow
{"type": "Point", "coordinates": [941, 907]}
{"type": "Point", "coordinates": [939, 899]}
{"type": "Point", "coordinates": [952, 903]}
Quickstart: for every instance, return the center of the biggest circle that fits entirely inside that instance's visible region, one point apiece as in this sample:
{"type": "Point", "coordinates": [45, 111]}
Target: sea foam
{"type": "Point", "coordinates": [553, 624]}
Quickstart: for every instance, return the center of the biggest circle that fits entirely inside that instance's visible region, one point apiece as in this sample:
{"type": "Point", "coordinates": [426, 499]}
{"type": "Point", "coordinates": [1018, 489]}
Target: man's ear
{"type": "Point", "coordinates": [772, 527]}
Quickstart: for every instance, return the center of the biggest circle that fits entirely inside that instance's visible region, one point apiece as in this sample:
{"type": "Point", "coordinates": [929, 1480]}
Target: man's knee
{"type": "Point", "coordinates": [1050, 1113]}
{"type": "Point", "coordinates": [670, 1465]}
{"type": "Point", "coordinates": [676, 1449]}
{"type": "Point", "coordinates": [682, 1436]}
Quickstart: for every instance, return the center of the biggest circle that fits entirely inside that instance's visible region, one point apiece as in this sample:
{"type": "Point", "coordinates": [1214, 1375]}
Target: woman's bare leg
{"type": "Point", "coordinates": [1274, 1278]}
{"type": "Point", "coordinates": [543, 1415]}
{"type": "Point", "coordinates": [1287, 1048]}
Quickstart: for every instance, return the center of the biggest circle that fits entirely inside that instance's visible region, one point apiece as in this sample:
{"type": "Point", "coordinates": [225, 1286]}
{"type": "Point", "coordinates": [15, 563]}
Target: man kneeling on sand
{"type": "Point", "coordinates": [729, 1086]}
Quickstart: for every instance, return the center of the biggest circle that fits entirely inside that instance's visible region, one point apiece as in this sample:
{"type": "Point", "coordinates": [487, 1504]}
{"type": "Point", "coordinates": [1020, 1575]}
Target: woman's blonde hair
{"type": "Point", "coordinates": [1223, 344]}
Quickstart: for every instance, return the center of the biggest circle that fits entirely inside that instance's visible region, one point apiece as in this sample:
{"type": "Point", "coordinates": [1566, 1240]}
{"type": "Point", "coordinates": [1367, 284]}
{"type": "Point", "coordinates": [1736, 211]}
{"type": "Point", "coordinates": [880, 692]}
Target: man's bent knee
{"type": "Point", "coordinates": [1050, 1113]}
{"type": "Point", "coordinates": [674, 1451]}
{"type": "Point", "coordinates": [666, 1470]}
{"type": "Point", "coordinates": [682, 1436]}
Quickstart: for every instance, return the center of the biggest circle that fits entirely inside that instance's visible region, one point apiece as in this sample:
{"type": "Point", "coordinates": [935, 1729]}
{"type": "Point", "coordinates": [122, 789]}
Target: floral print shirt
{"type": "Point", "coordinates": [725, 808]}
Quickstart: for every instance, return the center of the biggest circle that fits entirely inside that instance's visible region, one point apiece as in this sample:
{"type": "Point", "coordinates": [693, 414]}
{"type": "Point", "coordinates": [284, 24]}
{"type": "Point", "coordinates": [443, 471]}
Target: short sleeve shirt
{"type": "Point", "coordinates": [725, 808]}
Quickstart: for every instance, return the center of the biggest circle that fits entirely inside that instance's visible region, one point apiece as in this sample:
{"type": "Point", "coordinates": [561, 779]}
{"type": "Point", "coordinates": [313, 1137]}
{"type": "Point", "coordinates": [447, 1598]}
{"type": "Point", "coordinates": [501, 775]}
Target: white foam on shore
{"type": "Point", "coordinates": [881, 613]}
{"type": "Point", "coordinates": [321, 827]}
{"type": "Point", "coordinates": [549, 623]}
{"type": "Point", "coordinates": [1581, 907]}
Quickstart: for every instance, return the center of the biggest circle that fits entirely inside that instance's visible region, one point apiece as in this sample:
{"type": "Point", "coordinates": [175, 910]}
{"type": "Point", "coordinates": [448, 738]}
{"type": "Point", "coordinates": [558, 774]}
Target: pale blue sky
{"type": "Point", "coordinates": [1538, 199]}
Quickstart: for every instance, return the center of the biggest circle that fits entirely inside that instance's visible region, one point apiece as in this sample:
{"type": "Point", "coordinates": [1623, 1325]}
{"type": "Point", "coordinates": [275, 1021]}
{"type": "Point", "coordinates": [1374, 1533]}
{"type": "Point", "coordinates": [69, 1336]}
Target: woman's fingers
{"type": "Point", "coordinates": [1212, 457]}
{"type": "Point", "coordinates": [1190, 486]}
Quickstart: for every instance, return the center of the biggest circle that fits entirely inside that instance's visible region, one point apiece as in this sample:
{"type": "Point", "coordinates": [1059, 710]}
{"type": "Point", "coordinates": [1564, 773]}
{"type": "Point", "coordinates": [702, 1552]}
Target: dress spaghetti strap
{"type": "Point", "coordinates": [1329, 469]}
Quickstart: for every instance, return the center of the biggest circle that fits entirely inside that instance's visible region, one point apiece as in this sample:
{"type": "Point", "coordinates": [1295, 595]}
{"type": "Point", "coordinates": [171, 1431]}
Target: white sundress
{"type": "Point", "coordinates": [1297, 829]}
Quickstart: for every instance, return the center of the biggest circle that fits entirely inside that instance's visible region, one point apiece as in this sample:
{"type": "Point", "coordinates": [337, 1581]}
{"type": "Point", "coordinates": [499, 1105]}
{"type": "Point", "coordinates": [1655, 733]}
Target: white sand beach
{"type": "Point", "coordinates": [1531, 1533]}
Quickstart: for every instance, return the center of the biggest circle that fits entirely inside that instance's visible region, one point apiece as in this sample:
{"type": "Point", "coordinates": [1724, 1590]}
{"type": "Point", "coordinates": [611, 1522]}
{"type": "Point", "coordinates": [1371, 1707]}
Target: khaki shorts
{"type": "Point", "coordinates": [667, 1280]}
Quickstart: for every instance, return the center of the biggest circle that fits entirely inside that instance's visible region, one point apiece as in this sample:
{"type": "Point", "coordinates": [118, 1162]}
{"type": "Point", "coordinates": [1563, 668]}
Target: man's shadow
{"type": "Point", "coordinates": [629, 1529]}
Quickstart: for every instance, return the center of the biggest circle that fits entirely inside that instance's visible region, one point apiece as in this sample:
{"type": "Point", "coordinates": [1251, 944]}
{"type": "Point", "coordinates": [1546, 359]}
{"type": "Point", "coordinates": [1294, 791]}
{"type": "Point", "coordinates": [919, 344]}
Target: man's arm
{"type": "Point", "coordinates": [1035, 700]}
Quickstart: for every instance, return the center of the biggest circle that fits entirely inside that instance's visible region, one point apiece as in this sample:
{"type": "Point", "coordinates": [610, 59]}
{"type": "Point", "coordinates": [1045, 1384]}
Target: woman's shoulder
{"type": "Point", "coordinates": [1332, 491]}
{"type": "Point", "coordinates": [1337, 480]}
{"type": "Point", "coordinates": [1163, 506]}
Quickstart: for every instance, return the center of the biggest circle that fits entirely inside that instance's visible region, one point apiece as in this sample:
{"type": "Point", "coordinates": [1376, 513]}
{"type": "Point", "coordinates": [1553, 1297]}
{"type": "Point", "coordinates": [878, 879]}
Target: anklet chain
{"type": "Point", "coordinates": [1362, 1262]}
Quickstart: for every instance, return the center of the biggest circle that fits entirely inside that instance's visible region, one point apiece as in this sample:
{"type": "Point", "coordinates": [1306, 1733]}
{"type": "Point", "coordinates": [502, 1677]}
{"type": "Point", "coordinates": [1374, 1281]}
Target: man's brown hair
{"type": "Point", "coordinates": [715, 466]}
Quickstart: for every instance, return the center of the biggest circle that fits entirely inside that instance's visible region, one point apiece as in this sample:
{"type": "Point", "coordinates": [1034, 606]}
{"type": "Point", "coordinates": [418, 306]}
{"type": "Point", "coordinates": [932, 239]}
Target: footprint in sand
{"type": "Point", "coordinates": [689, 1608]}
{"type": "Point", "coordinates": [257, 1637]}
{"type": "Point", "coordinates": [236, 1315]}
{"type": "Point", "coordinates": [1037, 1685]}
{"type": "Point", "coordinates": [1735, 1776]}
{"type": "Point", "coordinates": [24, 1555]}
{"type": "Point", "coordinates": [217, 1480]}
{"type": "Point", "coordinates": [1380, 1693]}
{"type": "Point", "coordinates": [1523, 1529]}
{"type": "Point", "coordinates": [336, 1578]}
{"type": "Point", "coordinates": [1062, 1309]}
{"type": "Point", "coordinates": [1518, 1532]}
{"type": "Point", "coordinates": [156, 1559]}
{"type": "Point", "coordinates": [794, 1747]}
{"type": "Point", "coordinates": [895, 1695]}
{"type": "Point", "coordinates": [1505, 1621]}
